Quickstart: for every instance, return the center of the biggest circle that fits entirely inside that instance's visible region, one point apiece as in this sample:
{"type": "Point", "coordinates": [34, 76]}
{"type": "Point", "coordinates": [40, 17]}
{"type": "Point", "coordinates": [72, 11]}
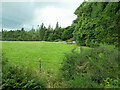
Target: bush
{"type": "Point", "coordinates": [57, 40]}
{"type": "Point", "coordinates": [69, 41]}
{"type": "Point", "coordinates": [90, 68]}
{"type": "Point", "coordinates": [16, 77]}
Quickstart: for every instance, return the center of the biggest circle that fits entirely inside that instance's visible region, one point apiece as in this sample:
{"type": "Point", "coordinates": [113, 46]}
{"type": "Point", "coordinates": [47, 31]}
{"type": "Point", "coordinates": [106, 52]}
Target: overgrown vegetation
{"type": "Point", "coordinates": [16, 77]}
{"type": "Point", "coordinates": [94, 68]}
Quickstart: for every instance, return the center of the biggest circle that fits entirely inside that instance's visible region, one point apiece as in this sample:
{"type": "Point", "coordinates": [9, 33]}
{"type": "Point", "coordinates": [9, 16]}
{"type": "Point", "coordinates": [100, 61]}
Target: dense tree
{"type": "Point", "coordinates": [97, 22]}
{"type": "Point", "coordinates": [47, 33]}
{"type": "Point", "coordinates": [67, 32]}
{"type": "Point", "coordinates": [57, 32]}
{"type": "Point", "coordinates": [31, 34]}
{"type": "Point", "coordinates": [18, 35]}
{"type": "Point", "coordinates": [42, 31]}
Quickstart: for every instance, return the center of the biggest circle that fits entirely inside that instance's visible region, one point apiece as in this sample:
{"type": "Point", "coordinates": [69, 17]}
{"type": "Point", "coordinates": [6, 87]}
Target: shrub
{"type": "Point", "coordinates": [16, 77]}
{"type": "Point", "coordinates": [57, 40]}
{"type": "Point", "coordinates": [70, 40]}
{"type": "Point", "coordinates": [90, 68]}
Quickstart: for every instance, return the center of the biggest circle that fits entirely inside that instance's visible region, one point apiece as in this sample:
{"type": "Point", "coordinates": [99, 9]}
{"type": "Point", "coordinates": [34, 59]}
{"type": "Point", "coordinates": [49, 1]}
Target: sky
{"type": "Point", "coordinates": [27, 13]}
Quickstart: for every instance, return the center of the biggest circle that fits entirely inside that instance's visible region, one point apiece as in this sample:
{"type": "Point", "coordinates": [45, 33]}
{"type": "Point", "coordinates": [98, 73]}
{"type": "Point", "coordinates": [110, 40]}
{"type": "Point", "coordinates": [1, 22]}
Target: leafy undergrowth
{"type": "Point", "coordinates": [52, 80]}
{"type": "Point", "coordinates": [17, 77]}
{"type": "Point", "coordinates": [95, 68]}
{"type": "Point", "coordinates": [14, 76]}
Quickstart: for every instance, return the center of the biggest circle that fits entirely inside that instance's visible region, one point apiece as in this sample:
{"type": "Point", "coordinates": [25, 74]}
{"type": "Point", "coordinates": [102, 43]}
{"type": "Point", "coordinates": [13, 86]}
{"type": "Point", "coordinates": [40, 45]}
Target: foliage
{"type": "Point", "coordinates": [57, 32]}
{"type": "Point", "coordinates": [16, 77]}
{"type": "Point", "coordinates": [42, 31]}
{"type": "Point", "coordinates": [57, 40]}
{"type": "Point", "coordinates": [48, 32]}
{"type": "Point", "coordinates": [69, 41]}
{"type": "Point", "coordinates": [67, 33]}
{"type": "Point", "coordinates": [91, 68]}
{"type": "Point", "coordinates": [97, 22]}
{"type": "Point", "coordinates": [40, 34]}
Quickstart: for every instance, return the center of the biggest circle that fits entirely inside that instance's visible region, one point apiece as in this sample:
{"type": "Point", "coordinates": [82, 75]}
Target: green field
{"type": "Point", "coordinates": [27, 54]}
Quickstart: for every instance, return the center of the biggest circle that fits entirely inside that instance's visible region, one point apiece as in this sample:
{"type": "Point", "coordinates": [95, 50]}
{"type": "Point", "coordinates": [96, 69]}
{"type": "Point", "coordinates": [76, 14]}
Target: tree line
{"type": "Point", "coordinates": [40, 34]}
{"type": "Point", "coordinates": [96, 22]}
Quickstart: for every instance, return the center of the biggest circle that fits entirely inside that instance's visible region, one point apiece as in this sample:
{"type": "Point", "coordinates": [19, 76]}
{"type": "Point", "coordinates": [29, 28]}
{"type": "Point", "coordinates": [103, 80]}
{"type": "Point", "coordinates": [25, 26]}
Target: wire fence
{"type": "Point", "coordinates": [38, 64]}
{"type": "Point", "coordinates": [36, 61]}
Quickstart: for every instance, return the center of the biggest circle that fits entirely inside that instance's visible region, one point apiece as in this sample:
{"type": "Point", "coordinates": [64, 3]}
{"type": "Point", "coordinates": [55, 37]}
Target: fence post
{"type": "Point", "coordinates": [80, 49]}
{"type": "Point", "coordinates": [40, 64]}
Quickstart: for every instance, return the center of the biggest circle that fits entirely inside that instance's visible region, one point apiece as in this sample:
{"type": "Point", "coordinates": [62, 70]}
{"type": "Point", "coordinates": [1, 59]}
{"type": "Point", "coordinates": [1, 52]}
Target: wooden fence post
{"type": "Point", "coordinates": [40, 64]}
{"type": "Point", "coordinates": [80, 49]}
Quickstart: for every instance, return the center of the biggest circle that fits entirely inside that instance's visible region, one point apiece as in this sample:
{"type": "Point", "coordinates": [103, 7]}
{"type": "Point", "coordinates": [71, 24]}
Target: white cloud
{"type": "Point", "coordinates": [51, 15]}
{"type": "Point", "coordinates": [8, 29]}
{"type": "Point", "coordinates": [27, 26]}
{"type": "Point", "coordinates": [50, 12]}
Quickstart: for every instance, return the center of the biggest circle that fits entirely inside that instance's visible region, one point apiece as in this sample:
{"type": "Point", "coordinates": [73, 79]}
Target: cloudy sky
{"type": "Point", "coordinates": [27, 13]}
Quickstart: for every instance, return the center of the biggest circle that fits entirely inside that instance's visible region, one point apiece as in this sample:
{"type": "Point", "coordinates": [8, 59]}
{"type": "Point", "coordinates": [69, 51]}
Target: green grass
{"type": "Point", "coordinates": [27, 54]}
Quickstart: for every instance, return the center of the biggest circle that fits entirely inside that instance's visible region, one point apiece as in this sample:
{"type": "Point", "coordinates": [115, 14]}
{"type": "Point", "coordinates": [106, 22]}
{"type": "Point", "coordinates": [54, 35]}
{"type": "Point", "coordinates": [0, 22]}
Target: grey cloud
{"type": "Point", "coordinates": [16, 14]}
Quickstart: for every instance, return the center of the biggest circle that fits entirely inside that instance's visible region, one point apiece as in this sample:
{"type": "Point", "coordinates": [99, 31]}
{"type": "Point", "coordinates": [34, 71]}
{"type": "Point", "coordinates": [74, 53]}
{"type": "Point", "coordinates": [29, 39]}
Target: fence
{"type": "Point", "coordinates": [37, 64]}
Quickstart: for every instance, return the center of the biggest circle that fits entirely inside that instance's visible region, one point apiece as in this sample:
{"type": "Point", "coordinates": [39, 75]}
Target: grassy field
{"type": "Point", "coordinates": [27, 54]}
